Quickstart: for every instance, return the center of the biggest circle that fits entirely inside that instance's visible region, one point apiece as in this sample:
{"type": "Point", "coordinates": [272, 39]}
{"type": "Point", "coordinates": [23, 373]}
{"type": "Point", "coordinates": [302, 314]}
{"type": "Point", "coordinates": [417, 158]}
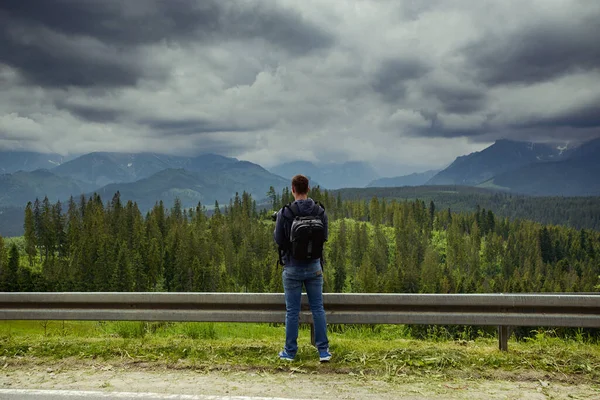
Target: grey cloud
{"type": "Point", "coordinates": [114, 21]}
{"type": "Point", "coordinates": [150, 21]}
{"type": "Point", "coordinates": [92, 113]}
{"type": "Point", "coordinates": [284, 28]}
{"type": "Point", "coordinates": [458, 100]}
{"type": "Point", "coordinates": [191, 126]}
{"type": "Point", "coordinates": [253, 77]}
{"type": "Point", "coordinates": [392, 76]}
{"type": "Point", "coordinates": [537, 52]}
{"type": "Point", "coordinates": [42, 39]}
{"type": "Point", "coordinates": [45, 59]}
{"type": "Point", "coordinates": [413, 9]}
{"type": "Point", "coordinates": [437, 128]}
{"type": "Point", "coordinates": [587, 116]}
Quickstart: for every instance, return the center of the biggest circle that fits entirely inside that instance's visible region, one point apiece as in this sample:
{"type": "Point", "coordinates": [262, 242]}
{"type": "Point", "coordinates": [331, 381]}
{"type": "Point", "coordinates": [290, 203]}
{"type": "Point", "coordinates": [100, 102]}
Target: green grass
{"type": "Point", "coordinates": [384, 351]}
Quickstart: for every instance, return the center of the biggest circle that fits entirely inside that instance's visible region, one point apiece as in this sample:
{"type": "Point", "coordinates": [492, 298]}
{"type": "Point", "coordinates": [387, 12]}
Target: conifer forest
{"type": "Point", "coordinates": [383, 246]}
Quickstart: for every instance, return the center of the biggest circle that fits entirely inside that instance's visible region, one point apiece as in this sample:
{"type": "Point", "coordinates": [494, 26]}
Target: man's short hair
{"type": "Point", "coordinates": [300, 184]}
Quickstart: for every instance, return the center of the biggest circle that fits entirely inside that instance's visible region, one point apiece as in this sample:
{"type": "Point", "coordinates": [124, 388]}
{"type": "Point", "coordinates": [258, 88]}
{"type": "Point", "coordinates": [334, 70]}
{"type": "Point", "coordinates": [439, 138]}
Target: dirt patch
{"type": "Point", "coordinates": [287, 381]}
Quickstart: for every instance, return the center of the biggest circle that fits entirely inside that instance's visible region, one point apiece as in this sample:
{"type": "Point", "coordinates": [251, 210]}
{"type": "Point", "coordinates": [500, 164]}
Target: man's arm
{"type": "Point", "coordinates": [279, 233]}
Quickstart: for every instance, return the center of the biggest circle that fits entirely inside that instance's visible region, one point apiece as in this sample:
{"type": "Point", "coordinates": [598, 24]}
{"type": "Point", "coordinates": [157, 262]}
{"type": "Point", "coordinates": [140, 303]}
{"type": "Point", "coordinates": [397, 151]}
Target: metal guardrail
{"type": "Point", "coordinates": [502, 310]}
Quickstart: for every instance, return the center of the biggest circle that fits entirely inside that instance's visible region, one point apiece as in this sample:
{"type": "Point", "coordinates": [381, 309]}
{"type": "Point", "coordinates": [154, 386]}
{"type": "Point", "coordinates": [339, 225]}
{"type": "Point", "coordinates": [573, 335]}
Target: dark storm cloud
{"type": "Point", "coordinates": [191, 126]}
{"type": "Point", "coordinates": [56, 63]}
{"type": "Point", "coordinates": [587, 116]}
{"type": "Point", "coordinates": [458, 100]}
{"type": "Point", "coordinates": [284, 28]}
{"type": "Point", "coordinates": [392, 76]}
{"type": "Point", "coordinates": [48, 56]}
{"type": "Point", "coordinates": [436, 127]}
{"type": "Point", "coordinates": [92, 113]}
{"type": "Point", "coordinates": [95, 43]}
{"type": "Point", "coordinates": [124, 23]}
{"type": "Point", "coordinates": [538, 52]}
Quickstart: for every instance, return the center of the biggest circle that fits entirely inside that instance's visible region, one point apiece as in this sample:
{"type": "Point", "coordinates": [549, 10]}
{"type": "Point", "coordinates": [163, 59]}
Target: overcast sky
{"type": "Point", "coordinates": [405, 84]}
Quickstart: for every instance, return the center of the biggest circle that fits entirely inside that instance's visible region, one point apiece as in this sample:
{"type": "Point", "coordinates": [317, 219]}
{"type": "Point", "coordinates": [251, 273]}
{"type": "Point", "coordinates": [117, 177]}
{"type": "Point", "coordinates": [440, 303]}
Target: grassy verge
{"type": "Point", "coordinates": [387, 351]}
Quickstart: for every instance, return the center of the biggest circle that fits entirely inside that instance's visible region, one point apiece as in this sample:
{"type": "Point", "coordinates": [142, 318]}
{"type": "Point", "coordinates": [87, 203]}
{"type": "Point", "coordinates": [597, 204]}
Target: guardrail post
{"type": "Point", "coordinates": [503, 334]}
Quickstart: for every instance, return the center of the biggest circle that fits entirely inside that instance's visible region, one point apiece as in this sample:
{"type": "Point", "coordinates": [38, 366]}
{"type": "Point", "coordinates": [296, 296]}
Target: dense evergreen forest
{"type": "Point", "coordinates": [577, 212]}
{"type": "Point", "coordinates": [374, 246]}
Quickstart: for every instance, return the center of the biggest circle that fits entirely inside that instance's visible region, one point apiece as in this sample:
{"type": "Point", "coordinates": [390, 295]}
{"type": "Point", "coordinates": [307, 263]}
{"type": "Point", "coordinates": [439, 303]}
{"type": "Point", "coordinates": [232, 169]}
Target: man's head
{"type": "Point", "coordinates": [300, 186]}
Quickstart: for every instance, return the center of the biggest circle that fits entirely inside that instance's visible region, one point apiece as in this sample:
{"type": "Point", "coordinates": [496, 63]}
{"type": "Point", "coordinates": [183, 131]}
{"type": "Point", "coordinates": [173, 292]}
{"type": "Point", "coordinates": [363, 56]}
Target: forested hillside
{"type": "Point", "coordinates": [374, 246]}
{"type": "Point", "coordinates": [577, 212]}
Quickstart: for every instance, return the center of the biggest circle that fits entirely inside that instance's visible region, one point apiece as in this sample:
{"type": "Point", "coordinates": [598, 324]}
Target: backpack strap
{"type": "Point", "coordinates": [295, 209]}
{"type": "Point", "coordinates": [318, 210]}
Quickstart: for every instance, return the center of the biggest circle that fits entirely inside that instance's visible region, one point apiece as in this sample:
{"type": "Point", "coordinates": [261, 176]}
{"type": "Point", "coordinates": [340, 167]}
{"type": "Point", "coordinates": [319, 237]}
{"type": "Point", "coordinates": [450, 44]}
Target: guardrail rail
{"type": "Point", "coordinates": [502, 310]}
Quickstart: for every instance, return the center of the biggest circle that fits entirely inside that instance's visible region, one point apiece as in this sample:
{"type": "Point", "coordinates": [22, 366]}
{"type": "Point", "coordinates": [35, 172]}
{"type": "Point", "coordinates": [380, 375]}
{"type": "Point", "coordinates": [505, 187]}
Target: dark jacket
{"type": "Point", "coordinates": [283, 227]}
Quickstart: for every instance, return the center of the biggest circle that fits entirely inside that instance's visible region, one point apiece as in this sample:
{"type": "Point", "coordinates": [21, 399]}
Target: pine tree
{"type": "Point", "coordinates": [12, 270]}
{"type": "Point", "coordinates": [30, 236]}
{"type": "Point", "coordinates": [272, 196]}
{"type": "Point", "coordinates": [431, 272]}
{"type": "Point", "coordinates": [545, 244]}
{"type": "Point", "coordinates": [339, 260]}
{"type": "Point", "coordinates": [154, 265]}
{"type": "Point", "coordinates": [123, 279]}
{"type": "Point", "coordinates": [431, 214]}
{"type": "Point", "coordinates": [176, 211]}
{"type": "Point", "coordinates": [367, 277]}
{"type": "Point", "coordinates": [58, 226]}
{"type": "Point", "coordinates": [73, 227]}
{"type": "Point", "coordinates": [47, 232]}
{"type": "Point", "coordinates": [379, 251]}
{"type": "Point", "coordinates": [374, 211]}
{"type": "Point", "coordinates": [3, 265]}
{"type": "Point", "coordinates": [37, 222]}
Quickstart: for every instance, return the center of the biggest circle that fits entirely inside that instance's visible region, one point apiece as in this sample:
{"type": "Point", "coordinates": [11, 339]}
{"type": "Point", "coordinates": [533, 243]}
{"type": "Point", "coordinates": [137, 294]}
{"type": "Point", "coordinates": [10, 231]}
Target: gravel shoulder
{"type": "Point", "coordinates": [288, 382]}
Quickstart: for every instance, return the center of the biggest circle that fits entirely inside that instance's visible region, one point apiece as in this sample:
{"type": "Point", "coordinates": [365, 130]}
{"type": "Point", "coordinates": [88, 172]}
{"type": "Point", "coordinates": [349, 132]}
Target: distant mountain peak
{"type": "Point", "coordinates": [502, 156]}
{"type": "Point", "coordinates": [13, 161]}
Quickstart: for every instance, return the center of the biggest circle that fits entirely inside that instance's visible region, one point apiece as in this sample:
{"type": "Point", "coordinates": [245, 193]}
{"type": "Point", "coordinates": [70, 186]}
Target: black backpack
{"type": "Point", "coordinates": [307, 233]}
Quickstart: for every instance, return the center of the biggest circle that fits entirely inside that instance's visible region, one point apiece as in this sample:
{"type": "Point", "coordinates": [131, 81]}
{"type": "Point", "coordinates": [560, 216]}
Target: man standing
{"type": "Point", "coordinates": [300, 231]}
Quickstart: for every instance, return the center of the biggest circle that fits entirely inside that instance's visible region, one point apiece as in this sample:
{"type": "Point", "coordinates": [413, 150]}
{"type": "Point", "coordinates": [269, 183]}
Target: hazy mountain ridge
{"type": "Point", "coordinates": [206, 177]}
{"type": "Point", "coordinates": [577, 175]}
{"type": "Point", "coordinates": [192, 187]}
{"type": "Point", "coordinates": [415, 179]}
{"type": "Point", "coordinates": [23, 186]}
{"type": "Point", "coordinates": [502, 156]}
{"type": "Point", "coordinates": [331, 175]}
{"type": "Point", "coordinates": [102, 168]}
{"type": "Point", "coordinates": [13, 161]}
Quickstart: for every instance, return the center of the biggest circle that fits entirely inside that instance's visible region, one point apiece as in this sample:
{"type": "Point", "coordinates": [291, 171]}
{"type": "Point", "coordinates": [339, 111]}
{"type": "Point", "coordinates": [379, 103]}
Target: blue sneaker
{"type": "Point", "coordinates": [324, 355]}
{"type": "Point", "coordinates": [283, 355]}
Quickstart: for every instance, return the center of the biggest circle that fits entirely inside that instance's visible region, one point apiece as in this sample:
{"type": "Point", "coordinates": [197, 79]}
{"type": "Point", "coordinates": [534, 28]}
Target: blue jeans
{"type": "Point", "coordinates": [312, 278]}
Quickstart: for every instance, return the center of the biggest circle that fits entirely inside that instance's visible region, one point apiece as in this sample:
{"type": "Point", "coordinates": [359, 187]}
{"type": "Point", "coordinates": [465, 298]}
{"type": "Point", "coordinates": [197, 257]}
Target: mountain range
{"type": "Point", "coordinates": [575, 173]}
{"type": "Point", "coordinates": [501, 157]}
{"type": "Point", "coordinates": [13, 161]}
{"type": "Point", "coordinates": [528, 168]}
{"type": "Point", "coordinates": [415, 179]}
{"type": "Point", "coordinates": [330, 175]}
{"type": "Point", "coordinates": [510, 166]}
{"type": "Point", "coordinates": [145, 178]}
{"type": "Point", "coordinates": [192, 187]}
